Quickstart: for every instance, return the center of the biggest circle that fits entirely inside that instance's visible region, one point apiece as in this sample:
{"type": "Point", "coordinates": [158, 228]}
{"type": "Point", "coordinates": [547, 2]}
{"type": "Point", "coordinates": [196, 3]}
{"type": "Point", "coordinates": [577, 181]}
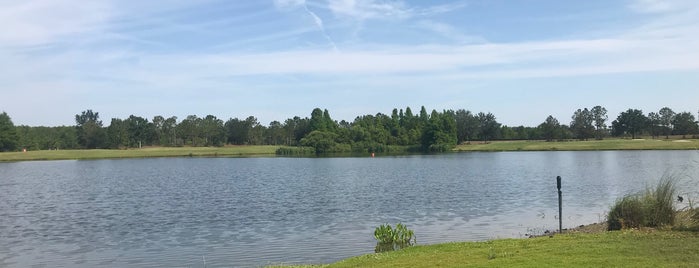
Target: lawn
{"type": "Point", "coordinates": [591, 145]}
{"type": "Point", "coordinates": [628, 248]}
{"type": "Point", "coordinates": [227, 151]}
{"type": "Point", "coordinates": [269, 150]}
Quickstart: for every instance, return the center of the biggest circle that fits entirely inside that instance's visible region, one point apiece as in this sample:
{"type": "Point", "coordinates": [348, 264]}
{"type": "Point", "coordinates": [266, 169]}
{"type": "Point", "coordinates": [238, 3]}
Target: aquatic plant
{"type": "Point", "coordinates": [389, 238]}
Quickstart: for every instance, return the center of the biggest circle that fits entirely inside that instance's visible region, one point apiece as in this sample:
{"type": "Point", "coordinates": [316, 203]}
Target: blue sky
{"type": "Point", "coordinates": [521, 60]}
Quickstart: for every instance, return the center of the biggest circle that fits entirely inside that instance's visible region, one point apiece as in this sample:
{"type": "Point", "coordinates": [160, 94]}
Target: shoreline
{"type": "Point", "coordinates": [270, 150]}
{"type": "Point", "coordinates": [583, 246]}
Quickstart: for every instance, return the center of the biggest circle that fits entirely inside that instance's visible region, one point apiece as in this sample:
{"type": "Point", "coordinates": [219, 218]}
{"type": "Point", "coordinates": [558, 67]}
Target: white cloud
{"type": "Point", "coordinates": [666, 42]}
{"type": "Point", "coordinates": [289, 3]}
{"type": "Point", "coordinates": [285, 4]}
{"type": "Point", "coordinates": [38, 22]}
{"type": "Point", "coordinates": [448, 31]}
{"type": "Point", "coordinates": [369, 9]}
{"type": "Point", "coordinates": [445, 8]}
{"type": "Point", "coordinates": [319, 24]}
{"type": "Point", "coordinates": [660, 6]}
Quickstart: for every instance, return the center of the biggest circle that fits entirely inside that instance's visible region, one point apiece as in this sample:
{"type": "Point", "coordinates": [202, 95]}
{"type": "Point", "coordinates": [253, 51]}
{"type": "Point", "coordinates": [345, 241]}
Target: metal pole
{"type": "Point", "coordinates": [560, 205]}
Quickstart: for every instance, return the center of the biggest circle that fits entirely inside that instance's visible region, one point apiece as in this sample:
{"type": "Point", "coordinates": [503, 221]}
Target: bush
{"type": "Point", "coordinates": [389, 238]}
{"type": "Point", "coordinates": [654, 208]}
{"type": "Point", "coordinates": [296, 151]}
{"type": "Point", "coordinates": [626, 213]}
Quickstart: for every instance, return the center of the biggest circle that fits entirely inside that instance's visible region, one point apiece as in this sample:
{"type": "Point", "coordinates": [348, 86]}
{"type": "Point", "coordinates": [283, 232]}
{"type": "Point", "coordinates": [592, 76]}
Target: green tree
{"type": "Point", "coordinates": [599, 116]}
{"type": "Point", "coordinates": [47, 138]}
{"type": "Point", "coordinates": [213, 131]}
{"type": "Point", "coordinates": [248, 131]}
{"type": "Point", "coordinates": [632, 121]}
{"type": "Point", "coordinates": [295, 129]}
{"type": "Point", "coordinates": [440, 133]}
{"type": "Point", "coordinates": [164, 130]}
{"type": "Point", "coordinates": [8, 134]}
{"type": "Point", "coordinates": [275, 133]}
{"type": "Point", "coordinates": [190, 129]}
{"type": "Point", "coordinates": [91, 135]}
{"type": "Point", "coordinates": [321, 141]}
{"type": "Point", "coordinates": [424, 117]}
{"type": "Point", "coordinates": [488, 126]}
{"type": "Point", "coordinates": [320, 120]}
{"type": "Point", "coordinates": [582, 124]}
{"type": "Point", "coordinates": [140, 131]}
{"type": "Point", "coordinates": [257, 131]}
{"type": "Point", "coordinates": [550, 129]}
{"type": "Point", "coordinates": [684, 124]}
{"type": "Point", "coordinates": [667, 116]}
{"type": "Point", "coordinates": [117, 133]}
{"type": "Point", "coordinates": [170, 127]}
{"type": "Point", "coordinates": [466, 125]}
{"type": "Point", "coordinates": [654, 126]}
{"type": "Point", "coordinates": [159, 135]}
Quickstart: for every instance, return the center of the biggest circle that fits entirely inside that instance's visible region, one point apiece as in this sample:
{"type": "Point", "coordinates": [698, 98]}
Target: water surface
{"type": "Point", "coordinates": [184, 212]}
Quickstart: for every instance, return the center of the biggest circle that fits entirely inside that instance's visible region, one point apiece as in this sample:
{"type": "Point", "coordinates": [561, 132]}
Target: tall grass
{"type": "Point", "coordinates": [652, 208]}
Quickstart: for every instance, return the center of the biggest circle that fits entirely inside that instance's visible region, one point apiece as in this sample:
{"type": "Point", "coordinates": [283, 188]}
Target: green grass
{"type": "Point", "coordinates": [629, 248]}
{"type": "Point", "coordinates": [591, 145]}
{"type": "Point", "coordinates": [228, 151]}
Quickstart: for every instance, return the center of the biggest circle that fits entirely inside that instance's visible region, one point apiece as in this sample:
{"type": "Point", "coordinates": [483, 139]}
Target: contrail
{"type": "Point", "coordinates": [319, 23]}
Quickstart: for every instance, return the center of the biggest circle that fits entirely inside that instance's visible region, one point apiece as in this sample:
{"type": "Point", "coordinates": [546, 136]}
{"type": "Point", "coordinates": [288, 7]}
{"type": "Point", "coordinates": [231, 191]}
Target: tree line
{"type": "Point", "coordinates": [401, 130]}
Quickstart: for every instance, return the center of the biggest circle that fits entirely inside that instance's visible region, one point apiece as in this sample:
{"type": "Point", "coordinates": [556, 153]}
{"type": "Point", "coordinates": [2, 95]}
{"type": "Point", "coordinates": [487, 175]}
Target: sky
{"type": "Point", "coordinates": [276, 59]}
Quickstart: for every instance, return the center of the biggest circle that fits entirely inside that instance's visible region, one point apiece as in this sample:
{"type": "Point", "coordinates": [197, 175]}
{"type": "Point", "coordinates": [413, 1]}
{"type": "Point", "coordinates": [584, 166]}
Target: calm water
{"type": "Point", "coordinates": [184, 212]}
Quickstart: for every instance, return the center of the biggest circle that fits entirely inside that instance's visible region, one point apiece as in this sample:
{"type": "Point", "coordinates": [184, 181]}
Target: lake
{"type": "Point", "coordinates": [242, 212]}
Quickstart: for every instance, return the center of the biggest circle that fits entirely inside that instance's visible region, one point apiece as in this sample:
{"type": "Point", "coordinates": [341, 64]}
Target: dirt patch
{"type": "Point", "coordinates": [680, 141]}
{"type": "Point", "coordinates": [586, 229]}
{"type": "Point", "coordinates": [589, 229]}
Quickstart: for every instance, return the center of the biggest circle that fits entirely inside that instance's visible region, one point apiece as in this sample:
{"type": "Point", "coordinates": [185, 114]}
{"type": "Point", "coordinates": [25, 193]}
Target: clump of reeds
{"type": "Point", "coordinates": [652, 208]}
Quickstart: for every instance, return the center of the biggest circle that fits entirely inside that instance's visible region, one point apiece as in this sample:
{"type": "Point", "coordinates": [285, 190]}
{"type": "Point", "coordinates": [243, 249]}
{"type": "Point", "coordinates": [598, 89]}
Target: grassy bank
{"type": "Point", "coordinates": [592, 145]}
{"type": "Point", "coordinates": [268, 150]}
{"type": "Point", "coordinates": [227, 151]}
{"type": "Point", "coordinates": [629, 248]}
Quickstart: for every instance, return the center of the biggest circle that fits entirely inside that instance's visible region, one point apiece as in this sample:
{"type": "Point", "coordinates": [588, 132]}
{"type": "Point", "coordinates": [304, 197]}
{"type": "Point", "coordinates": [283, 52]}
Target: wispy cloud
{"type": "Point", "coordinates": [33, 22]}
{"type": "Point", "coordinates": [449, 32]}
{"type": "Point", "coordinates": [660, 6]}
{"type": "Point", "coordinates": [286, 4]}
{"type": "Point", "coordinates": [444, 8]}
{"type": "Point", "coordinates": [103, 50]}
{"type": "Point", "coordinates": [319, 23]}
{"type": "Point", "coordinates": [370, 9]}
{"type": "Point", "coordinates": [289, 3]}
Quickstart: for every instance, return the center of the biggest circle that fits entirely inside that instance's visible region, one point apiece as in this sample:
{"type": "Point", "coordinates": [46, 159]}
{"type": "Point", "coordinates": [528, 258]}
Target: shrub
{"type": "Point", "coordinates": [296, 151]}
{"type": "Point", "coordinates": [389, 238]}
{"type": "Point", "coordinates": [626, 213]}
{"type": "Point", "coordinates": [653, 208]}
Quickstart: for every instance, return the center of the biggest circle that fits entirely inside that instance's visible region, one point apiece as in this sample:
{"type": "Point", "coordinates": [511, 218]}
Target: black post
{"type": "Point", "coordinates": [560, 205]}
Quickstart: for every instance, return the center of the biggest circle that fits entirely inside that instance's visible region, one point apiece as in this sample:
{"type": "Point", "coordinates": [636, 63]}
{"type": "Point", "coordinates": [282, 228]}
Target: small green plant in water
{"type": "Point", "coordinates": [389, 238]}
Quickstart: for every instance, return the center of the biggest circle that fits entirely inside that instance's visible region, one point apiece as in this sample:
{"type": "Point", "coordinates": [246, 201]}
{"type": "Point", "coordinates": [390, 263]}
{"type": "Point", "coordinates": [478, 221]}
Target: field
{"type": "Point", "coordinates": [269, 150]}
{"type": "Point", "coordinates": [629, 248]}
{"type": "Point", "coordinates": [227, 151]}
{"type": "Point", "coordinates": [591, 145]}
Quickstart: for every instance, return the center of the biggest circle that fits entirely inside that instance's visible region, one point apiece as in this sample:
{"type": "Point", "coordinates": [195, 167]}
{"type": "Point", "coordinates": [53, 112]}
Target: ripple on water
{"type": "Point", "coordinates": [252, 212]}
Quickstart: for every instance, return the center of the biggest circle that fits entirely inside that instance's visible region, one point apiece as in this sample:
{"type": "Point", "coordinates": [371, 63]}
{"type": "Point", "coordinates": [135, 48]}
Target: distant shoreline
{"type": "Point", "coordinates": [590, 145]}
{"type": "Point", "coordinates": [270, 150]}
